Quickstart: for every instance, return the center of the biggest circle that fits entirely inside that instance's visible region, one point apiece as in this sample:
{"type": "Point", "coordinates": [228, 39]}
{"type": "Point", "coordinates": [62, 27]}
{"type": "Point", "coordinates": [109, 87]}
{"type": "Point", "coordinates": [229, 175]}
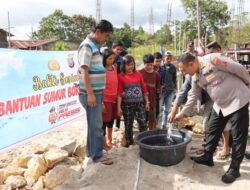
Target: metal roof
{"type": "Point", "coordinates": [26, 44]}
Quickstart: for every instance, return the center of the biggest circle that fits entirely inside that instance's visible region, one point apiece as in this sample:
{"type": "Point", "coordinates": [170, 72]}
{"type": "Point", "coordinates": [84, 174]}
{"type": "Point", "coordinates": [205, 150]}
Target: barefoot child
{"type": "Point", "coordinates": [109, 97]}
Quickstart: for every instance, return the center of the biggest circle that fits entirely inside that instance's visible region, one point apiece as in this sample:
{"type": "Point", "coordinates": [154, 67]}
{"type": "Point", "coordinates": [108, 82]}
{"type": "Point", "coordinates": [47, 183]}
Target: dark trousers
{"type": "Point", "coordinates": [239, 121]}
{"type": "Point", "coordinates": [131, 111]}
{"type": "Point", "coordinates": [157, 108]}
{"type": "Point", "coordinates": [118, 123]}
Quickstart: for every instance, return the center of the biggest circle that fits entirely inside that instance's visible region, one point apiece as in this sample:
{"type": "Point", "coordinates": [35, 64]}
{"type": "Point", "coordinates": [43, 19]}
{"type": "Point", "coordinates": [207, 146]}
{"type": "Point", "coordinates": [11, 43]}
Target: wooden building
{"type": "Point", "coordinates": [3, 38]}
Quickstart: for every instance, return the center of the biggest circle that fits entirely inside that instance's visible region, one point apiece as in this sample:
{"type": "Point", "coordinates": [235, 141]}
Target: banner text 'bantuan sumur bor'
{"type": "Point", "coordinates": [38, 92]}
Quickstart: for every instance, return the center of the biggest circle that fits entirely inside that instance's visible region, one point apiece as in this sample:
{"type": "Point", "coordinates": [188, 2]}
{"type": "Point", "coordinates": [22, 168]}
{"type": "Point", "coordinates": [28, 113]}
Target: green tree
{"type": "Point", "coordinates": [214, 14]}
{"type": "Point", "coordinates": [63, 27]}
{"type": "Point", "coordinates": [239, 30]}
{"type": "Point", "coordinates": [57, 25]}
{"type": "Point", "coordinates": [141, 37]}
{"type": "Point", "coordinates": [122, 34]}
{"type": "Point", "coordinates": [245, 31]}
{"type": "Point", "coordinates": [163, 36]}
{"type": "Point", "coordinates": [60, 46]}
{"type": "Point", "coordinates": [81, 27]}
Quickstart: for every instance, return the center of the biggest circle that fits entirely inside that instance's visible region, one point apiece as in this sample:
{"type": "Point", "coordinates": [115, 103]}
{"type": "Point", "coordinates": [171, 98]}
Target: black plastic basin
{"type": "Point", "coordinates": [157, 148]}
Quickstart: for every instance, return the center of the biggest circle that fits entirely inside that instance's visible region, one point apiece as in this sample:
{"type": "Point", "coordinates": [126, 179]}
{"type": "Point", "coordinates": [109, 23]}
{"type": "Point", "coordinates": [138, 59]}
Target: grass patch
{"type": "Point", "coordinates": [140, 51]}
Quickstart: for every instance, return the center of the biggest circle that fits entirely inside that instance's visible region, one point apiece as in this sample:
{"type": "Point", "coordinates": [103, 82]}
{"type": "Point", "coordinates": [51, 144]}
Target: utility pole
{"type": "Point", "coordinates": [198, 20]}
{"type": "Point", "coordinates": [180, 41]}
{"type": "Point", "coordinates": [132, 21]}
{"type": "Point", "coordinates": [175, 37]}
{"type": "Point", "coordinates": [8, 30]}
{"type": "Point", "coordinates": [31, 36]}
{"type": "Point", "coordinates": [151, 22]}
{"type": "Point", "coordinates": [98, 10]}
{"type": "Point", "coordinates": [169, 14]}
{"type": "Point", "coordinates": [239, 20]}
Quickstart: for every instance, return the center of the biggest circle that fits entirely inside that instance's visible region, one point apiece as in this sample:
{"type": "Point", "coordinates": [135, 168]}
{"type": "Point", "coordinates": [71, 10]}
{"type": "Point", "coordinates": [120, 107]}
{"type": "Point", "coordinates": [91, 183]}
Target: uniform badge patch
{"type": "Point", "coordinates": [219, 62]}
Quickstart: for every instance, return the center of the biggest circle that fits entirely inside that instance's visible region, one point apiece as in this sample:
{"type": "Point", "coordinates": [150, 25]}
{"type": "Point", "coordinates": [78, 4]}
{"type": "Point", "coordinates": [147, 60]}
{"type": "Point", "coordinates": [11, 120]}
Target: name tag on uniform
{"type": "Point", "coordinates": [213, 80]}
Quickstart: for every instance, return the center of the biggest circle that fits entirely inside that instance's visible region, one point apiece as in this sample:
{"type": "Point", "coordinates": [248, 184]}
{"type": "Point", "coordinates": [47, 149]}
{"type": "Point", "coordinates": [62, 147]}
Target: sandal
{"type": "Point", "coordinates": [106, 161]}
{"type": "Point", "coordinates": [106, 147]}
{"type": "Point", "coordinates": [222, 156]}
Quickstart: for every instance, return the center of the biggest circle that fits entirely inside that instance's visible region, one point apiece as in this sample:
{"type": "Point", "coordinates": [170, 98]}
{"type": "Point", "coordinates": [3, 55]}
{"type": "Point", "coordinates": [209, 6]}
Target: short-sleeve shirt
{"type": "Point", "coordinates": [90, 56]}
{"type": "Point", "coordinates": [111, 87]}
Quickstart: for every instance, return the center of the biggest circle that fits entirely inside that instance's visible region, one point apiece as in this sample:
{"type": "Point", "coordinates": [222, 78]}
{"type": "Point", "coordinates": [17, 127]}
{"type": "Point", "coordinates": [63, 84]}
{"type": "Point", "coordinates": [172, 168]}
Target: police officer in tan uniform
{"type": "Point", "coordinates": [227, 83]}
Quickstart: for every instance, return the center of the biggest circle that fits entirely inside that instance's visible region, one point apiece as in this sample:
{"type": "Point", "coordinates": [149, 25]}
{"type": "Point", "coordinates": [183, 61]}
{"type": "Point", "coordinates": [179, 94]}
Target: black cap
{"type": "Point", "coordinates": [213, 44]}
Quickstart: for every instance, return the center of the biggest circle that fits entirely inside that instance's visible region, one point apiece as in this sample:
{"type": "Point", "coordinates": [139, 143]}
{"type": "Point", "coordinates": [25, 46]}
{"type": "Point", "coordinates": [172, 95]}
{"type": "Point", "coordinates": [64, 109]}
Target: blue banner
{"type": "Point", "coordinates": [39, 91]}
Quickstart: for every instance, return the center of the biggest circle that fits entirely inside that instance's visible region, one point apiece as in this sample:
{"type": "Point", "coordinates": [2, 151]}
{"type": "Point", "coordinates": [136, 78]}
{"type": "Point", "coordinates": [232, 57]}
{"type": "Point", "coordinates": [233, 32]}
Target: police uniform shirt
{"type": "Point", "coordinates": [226, 81]}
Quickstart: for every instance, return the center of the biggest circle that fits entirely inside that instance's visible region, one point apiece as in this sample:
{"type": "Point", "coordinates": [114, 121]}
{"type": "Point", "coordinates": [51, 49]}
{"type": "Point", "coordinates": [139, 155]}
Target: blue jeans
{"type": "Point", "coordinates": [168, 96]}
{"type": "Point", "coordinates": [94, 145]}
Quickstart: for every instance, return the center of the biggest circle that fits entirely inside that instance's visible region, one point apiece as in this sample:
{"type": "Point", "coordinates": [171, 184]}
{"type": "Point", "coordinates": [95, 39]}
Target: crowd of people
{"type": "Point", "coordinates": [111, 88]}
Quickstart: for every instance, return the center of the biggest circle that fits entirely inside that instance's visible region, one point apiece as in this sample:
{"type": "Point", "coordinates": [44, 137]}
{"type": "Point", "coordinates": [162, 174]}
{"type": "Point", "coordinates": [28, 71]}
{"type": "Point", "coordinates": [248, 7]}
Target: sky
{"type": "Point", "coordinates": [25, 15]}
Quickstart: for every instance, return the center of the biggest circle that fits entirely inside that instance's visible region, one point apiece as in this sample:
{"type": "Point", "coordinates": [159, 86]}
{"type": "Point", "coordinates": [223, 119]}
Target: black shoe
{"type": "Point", "coordinates": [230, 176]}
{"type": "Point", "coordinates": [247, 155]}
{"type": "Point", "coordinates": [126, 145]}
{"type": "Point", "coordinates": [204, 160]}
{"type": "Point", "coordinates": [203, 143]}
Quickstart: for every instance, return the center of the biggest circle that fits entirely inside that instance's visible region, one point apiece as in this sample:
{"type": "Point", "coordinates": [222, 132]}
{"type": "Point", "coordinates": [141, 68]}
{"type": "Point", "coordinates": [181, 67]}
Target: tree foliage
{"type": "Point", "coordinates": [214, 14]}
{"type": "Point", "coordinates": [141, 37]}
{"type": "Point", "coordinates": [122, 34]}
{"type": "Point", "coordinates": [214, 19]}
{"type": "Point", "coordinates": [60, 46]}
{"type": "Point", "coordinates": [239, 29]}
{"type": "Point", "coordinates": [57, 25]}
{"type": "Point", "coordinates": [81, 27]}
{"type": "Point", "coordinates": [74, 29]}
{"type": "Point", "coordinates": [63, 27]}
{"type": "Point", "coordinates": [163, 35]}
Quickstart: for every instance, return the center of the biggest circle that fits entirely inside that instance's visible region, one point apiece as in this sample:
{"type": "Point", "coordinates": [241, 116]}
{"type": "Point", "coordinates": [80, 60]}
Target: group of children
{"type": "Point", "coordinates": [132, 94]}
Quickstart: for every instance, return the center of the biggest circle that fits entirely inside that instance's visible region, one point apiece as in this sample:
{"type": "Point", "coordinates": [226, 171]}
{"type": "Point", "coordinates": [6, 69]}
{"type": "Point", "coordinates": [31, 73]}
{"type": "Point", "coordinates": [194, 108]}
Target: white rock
{"type": "Point", "coordinates": [21, 161]}
{"type": "Point", "coordinates": [8, 171]}
{"type": "Point", "coordinates": [56, 176]}
{"type": "Point", "coordinates": [39, 184]}
{"type": "Point", "coordinates": [54, 156]}
{"type": "Point", "coordinates": [2, 176]}
{"type": "Point", "coordinates": [15, 181]}
{"type": "Point", "coordinates": [198, 128]}
{"type": "Point", "coordinates": [37, 166]}
{"type": "Point", "coordinates": [5, 187]}
{"type": "Point", "coordinates": [69, 146]}
{"type": "Point", "coordinates": [80, 151]}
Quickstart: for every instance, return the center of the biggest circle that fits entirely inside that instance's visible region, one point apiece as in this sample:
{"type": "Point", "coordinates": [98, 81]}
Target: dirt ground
{"type": "Point", "coordinates": [186, 175]}
{"type": "Point", "coordinates": [122, 174]}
